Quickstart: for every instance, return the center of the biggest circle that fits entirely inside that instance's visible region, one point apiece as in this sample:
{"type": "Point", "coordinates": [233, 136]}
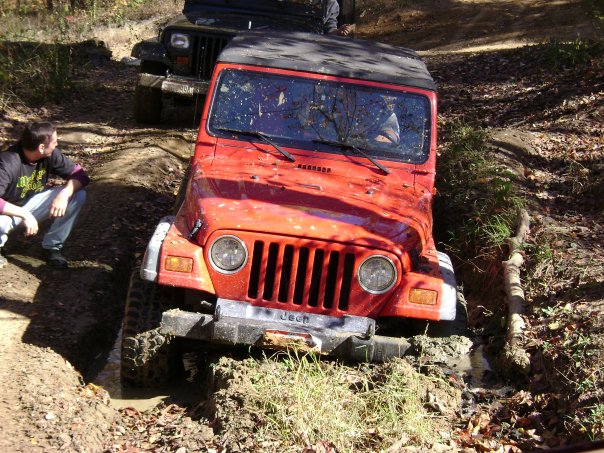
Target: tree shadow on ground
{"type": "Point", "coordinates": [542, 89]}
{"type": "Point", "coordinates": [520, 86]}
{"type": "Point", "coordinates": [77, 311]}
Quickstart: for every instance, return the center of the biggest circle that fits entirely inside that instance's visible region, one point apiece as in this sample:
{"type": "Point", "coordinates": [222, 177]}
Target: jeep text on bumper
{"type": "Point", "coordinates": [239, 323]}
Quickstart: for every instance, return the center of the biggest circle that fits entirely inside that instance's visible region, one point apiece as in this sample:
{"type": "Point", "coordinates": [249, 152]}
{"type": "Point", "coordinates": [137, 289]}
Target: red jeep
{"type": "Point", "coordinates": [306, 218]}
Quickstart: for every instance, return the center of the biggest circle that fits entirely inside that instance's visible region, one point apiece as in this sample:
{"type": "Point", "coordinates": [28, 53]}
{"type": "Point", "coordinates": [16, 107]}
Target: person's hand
{"type": "Point", "coordinates": [345, 30]}
{"type": "Point", "coordinates": [59, 205]}
{"type": "Point", "coordinates": [387, 136]}
{"type": "Point", "coordinates": [31, 224]}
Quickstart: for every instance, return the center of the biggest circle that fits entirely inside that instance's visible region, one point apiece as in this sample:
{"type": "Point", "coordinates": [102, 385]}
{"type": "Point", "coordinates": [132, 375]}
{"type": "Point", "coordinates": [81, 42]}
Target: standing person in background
{"type": "Point", "coordinates": [25, 198]}
{"type": "Point", "coordinates": [330, 20]}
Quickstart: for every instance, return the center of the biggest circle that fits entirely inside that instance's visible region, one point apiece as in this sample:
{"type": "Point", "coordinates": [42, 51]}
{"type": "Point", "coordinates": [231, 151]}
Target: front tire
{"type": "Point", "coordinates": [147, 105]}
{"type": "Point", "coordinates": [147, 355]}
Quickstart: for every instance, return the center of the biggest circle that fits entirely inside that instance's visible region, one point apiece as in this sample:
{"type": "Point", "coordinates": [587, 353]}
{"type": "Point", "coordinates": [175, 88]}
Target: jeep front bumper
{"type": "Point", "coordinates": [239, 323]}
{"type": "Point", "coordinates": [180, 85]}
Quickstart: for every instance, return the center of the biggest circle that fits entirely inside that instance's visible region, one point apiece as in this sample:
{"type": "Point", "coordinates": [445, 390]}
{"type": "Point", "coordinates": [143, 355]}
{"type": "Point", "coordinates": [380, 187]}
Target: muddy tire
{"type": "Point", "coordinates": [459, 326]}
{"type": "Point", "coordinates": [147, 105]}
{"type": "Point", "coordinates": [147, 355]}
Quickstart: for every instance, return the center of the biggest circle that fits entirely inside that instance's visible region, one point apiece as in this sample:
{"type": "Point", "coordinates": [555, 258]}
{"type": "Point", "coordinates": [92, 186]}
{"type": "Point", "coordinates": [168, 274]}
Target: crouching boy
{"type": "Point", "coordinates": [25, 199]}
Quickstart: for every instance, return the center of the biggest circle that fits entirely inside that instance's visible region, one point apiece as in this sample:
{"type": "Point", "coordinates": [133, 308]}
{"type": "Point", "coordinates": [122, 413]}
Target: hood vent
{"type": "Point", "coordinates": [314, 168]}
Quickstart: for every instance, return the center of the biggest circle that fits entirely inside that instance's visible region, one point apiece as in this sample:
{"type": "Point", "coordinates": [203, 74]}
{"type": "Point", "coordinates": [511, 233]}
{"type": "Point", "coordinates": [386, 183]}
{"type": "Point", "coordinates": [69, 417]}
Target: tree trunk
{"type": "Point", "coordinates": [514, 358]}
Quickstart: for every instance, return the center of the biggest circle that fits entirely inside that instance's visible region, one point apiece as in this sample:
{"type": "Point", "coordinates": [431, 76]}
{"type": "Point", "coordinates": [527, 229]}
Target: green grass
{"type": "Point", "coordinates": [33, 73]}
{"type": "Point", "coordinates": [37, 62]}
{"type": "Point", "coordinates": [478, 199]}
{"type": "Point", "coordinates": [561, 54]}
{"type": "Point", "coordinates": [303, 401]}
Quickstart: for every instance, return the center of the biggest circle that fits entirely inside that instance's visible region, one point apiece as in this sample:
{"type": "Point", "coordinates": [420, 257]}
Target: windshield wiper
{"type": "Point", "coordinates": [355, 149]}
{"type": "Point", "coordinates": [262, 137]}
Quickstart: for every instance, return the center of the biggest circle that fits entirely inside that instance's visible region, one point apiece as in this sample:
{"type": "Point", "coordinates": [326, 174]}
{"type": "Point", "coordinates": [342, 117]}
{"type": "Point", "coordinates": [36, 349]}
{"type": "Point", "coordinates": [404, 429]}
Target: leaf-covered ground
{"type": "Point", "coordinates": [548, 100]}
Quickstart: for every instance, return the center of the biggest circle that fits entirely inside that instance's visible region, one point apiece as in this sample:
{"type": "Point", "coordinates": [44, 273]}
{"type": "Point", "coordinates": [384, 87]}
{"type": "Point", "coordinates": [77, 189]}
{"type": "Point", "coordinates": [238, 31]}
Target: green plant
{"type": "Point", "coordinates": [33, 72]}
{"type": "Point", "coordinates": [542, 252]}
{"type": "Point", "coordinates": [558, 54]}
{"type": "Point", "coordinates": [556, 310]}
{"type": "Point", "coordinates": [593, 424]}
{"type": "Point", "coordinates": [304, 400]}
{"type": "Point", "coordinates": [478, 190]}
{"type": "Point", "coordinates": [578, 175]}
{"type": "Point", "coordinates": [547, 346]}
{"type": "Point", "coordinates": [597, 10]}
{"type": "Point", "coordinates": [496, 229]}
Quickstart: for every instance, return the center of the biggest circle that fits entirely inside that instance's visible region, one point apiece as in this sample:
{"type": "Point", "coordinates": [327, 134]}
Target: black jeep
{"type": "Point", "coordinates": [180, 60]}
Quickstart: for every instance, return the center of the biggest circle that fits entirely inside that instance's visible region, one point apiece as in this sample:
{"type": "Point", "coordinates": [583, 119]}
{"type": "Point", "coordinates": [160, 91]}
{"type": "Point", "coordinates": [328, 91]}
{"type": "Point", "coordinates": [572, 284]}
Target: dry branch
{"type": "Point", "coordinates": [514, 357]}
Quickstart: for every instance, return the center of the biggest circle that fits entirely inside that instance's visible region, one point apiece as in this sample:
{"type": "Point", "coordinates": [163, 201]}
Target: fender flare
{"type": "Point", "coordinates": [150, 265]}
{"type": "Point", "coordinates": [448, 306]}
{"type": "Point", "coordinates": [151, 50]}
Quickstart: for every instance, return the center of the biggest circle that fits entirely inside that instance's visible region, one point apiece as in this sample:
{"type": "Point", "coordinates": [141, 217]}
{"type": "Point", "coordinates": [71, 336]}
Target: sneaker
{"type": "Point", "coordinates": [54, 258]}
{"type": "Point", "coordinates": [3, 261]}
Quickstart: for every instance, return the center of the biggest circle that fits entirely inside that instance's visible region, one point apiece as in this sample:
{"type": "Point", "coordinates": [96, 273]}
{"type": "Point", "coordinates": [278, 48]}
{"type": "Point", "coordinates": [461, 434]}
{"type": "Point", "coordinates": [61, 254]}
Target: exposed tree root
{"type": "Point", "coordinates": [513, 358]}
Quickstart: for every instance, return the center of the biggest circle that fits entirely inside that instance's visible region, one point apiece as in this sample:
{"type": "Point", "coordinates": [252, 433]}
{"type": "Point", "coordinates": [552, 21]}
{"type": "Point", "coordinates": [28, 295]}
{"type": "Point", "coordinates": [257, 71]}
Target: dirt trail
{"type": "Point", "coordinates": [12, 326]}
{"type": "Point", "coordinates": [55, 325]}
{"type": "Point", "coordinates": [53, 321]}
{"type": "Point", "coordinates": [447, 26]}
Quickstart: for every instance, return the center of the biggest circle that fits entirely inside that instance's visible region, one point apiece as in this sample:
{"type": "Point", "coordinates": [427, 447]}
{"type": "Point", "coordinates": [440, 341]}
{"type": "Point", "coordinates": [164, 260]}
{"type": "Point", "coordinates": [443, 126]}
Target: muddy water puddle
{"type": "Point", "coordinates": [187, 391]}
{"type": "Point", "coordinates": [474, 366]}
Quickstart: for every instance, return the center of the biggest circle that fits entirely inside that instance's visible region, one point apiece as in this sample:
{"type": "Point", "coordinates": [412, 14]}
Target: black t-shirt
{"type": "Point", "coordinates": [20, 180]}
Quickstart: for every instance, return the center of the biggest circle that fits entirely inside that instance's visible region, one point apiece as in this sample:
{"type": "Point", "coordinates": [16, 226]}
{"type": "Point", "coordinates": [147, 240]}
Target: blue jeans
{"type": "Point", "coordinates": [39, 206]}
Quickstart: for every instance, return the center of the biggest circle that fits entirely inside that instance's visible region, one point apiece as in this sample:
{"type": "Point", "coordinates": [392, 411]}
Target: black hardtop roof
{"type": "Point", "coordinates": [331, 55]}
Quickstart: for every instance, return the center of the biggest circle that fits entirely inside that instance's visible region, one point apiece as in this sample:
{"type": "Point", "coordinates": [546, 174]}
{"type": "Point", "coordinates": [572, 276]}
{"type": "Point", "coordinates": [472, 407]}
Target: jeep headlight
{"type": "Point", "coordinates": [228, 254]}
{"type": "Point", "coordinates": [377, 274]}
{"type": "Point", "coordinates": [179, 41]}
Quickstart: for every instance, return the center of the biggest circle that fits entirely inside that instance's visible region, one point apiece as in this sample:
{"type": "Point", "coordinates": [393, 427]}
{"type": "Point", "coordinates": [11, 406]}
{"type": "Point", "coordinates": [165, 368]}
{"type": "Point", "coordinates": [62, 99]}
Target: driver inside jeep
{"type": "Point", "coordinates": [306, 112]}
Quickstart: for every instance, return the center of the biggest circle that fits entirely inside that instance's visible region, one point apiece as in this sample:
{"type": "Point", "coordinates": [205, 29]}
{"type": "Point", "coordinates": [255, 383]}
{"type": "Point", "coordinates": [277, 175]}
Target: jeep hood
{"type": "Point", "coordinates": [311, 204]}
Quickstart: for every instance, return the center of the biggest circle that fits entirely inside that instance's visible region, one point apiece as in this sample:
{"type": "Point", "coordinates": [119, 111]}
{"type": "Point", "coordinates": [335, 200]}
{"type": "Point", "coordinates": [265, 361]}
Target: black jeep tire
{"type": "Point", "coordinates": [147, 355]}
{"type": "Point", "coordinates": [147, 105]}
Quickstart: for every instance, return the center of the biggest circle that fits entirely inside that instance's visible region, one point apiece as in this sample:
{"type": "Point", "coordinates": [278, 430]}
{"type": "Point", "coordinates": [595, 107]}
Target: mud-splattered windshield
{"type": "Point", "coordinates": [302, 112]}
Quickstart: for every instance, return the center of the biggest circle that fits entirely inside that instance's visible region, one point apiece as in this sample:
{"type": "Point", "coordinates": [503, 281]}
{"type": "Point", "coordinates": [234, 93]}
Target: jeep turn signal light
{"type": "Point", "coordinates": [422, 296]}
{"type": "Point", "coordinates": [182, 60]}
{"type": "Point", "coordinates": [179, 264]}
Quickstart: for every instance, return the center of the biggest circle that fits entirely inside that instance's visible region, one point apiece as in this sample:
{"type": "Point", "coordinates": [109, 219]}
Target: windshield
{"type": "Point", "coordinates": [303, 112]}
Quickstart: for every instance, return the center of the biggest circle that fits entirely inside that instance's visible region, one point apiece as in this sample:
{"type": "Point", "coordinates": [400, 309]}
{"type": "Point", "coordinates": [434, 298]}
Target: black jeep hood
{"type": "Point", "coordinates": [310, 11]}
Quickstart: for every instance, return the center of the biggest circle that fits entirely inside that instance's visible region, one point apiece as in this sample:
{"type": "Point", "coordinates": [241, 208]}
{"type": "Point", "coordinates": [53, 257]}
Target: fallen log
{"type": "Point", "coordinates": [513, 358]}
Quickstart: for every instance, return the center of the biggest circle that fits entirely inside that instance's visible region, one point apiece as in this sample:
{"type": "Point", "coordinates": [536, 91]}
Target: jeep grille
{"type": "Point", "coordinates": [300, 276]}
{"type": "Point", "coordinates": [206, 51]}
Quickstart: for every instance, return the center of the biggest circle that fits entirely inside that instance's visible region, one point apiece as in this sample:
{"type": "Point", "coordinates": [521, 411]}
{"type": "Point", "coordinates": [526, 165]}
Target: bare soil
{"type": "Point", "coordinates": [57, 326]}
